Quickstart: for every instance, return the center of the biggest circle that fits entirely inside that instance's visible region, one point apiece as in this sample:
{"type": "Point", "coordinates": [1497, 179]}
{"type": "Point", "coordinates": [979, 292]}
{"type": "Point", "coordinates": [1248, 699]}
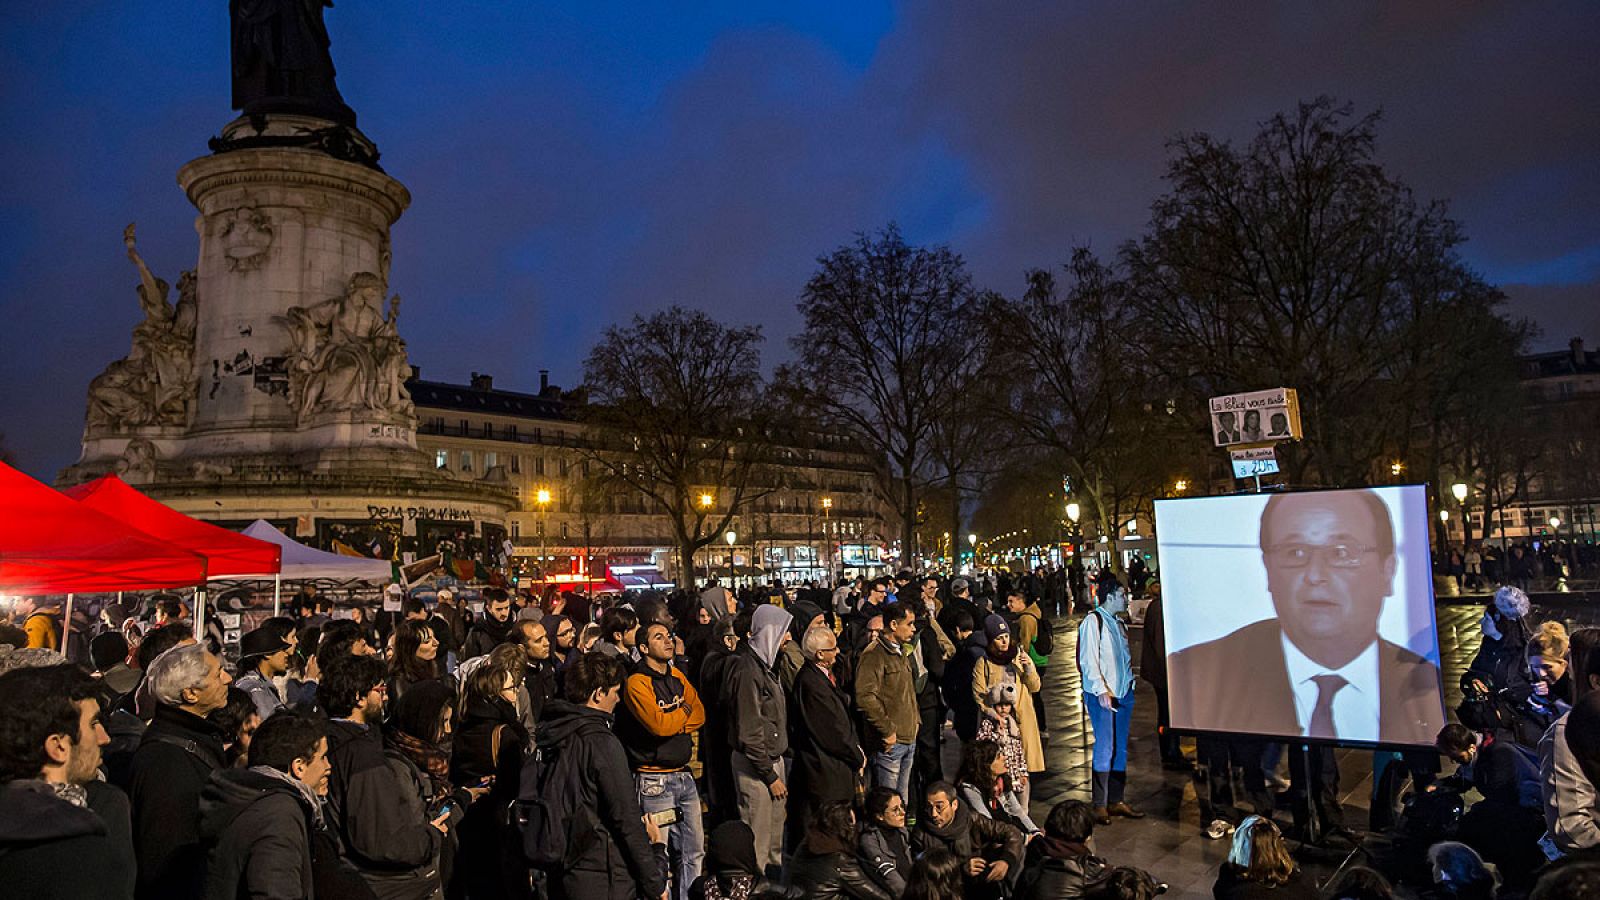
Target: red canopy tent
{"type": "Point", "coordinates": [228, 554]}
{"type": "Point", "coordinates": [51, 544]}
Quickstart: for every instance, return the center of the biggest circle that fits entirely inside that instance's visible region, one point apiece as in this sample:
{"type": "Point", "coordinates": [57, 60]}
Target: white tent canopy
{"type": "Point", "coordinates": [302, 563]}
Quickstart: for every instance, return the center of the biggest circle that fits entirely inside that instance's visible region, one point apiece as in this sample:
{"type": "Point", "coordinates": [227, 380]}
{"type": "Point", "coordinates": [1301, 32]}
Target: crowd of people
{"type": "Point", "coordinates": [717, 744]}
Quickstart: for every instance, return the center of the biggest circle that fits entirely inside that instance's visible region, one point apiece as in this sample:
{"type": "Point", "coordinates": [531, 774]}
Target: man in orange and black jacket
{"type": "Point", "coordinates": [664, 712]}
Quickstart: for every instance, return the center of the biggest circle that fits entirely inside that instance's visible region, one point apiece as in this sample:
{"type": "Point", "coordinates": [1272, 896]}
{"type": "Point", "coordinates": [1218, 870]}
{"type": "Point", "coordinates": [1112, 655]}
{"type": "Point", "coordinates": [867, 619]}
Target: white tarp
{"type": "Point", "coordinates": [302, 563]}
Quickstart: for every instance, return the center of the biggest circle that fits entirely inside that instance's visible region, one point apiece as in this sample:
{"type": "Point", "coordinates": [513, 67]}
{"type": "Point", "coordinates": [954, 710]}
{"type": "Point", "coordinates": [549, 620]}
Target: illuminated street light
{"type": "Point", "coordinates": [1133, 526]}
{"type": "Point", "coordinates": [1555, 521]}
{"type": "Point", "coordinates": [706, 501]}
{"type": "Point", "coordinates": [1460, 490]}
{"type": "Point", "coordinates": [1396, 467]}
{"type": "Point", "coordinates": [1444, 515]}
{"type": "Point", "coordinates": [1181, 486]}
{"type": "Point", "coordinates": [1073, 512]}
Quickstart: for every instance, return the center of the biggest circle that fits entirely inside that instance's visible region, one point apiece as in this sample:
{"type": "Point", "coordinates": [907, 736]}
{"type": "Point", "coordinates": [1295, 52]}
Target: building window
{"type": "Point", "coordinates": [516, 529]}
{"type": "Point", "coordinates": [516, 463]}
{"type": "Point", "coordinates": [441, 459]}
{"type": "Point", "coordinates": [511, 432]}
{"type": "Point", "coordinates": [466, 460]}
{"type": "Point", "coordinates": [538, 465]}
{"type": "Point", "coordinates": [564, 534]}
{"type": "Point", "coordinates": [436, 424]}
{"type": "Point", "coordinates": [464, 425]}
{"type": "Point", "coordinates": [538, 435]}
{"type": "Point", "coordinates": [490, 460]}
{"type": "Point", "coordinates": [488, 431]}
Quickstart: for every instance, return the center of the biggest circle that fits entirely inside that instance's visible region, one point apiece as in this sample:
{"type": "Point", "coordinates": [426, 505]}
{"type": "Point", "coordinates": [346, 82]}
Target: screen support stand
{"type": "Point", "coordinates": [1313, 823]}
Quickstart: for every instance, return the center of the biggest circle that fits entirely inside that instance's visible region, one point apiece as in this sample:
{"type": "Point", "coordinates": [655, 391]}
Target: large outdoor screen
{"type": "Point", "coordinates": [1305, 615]}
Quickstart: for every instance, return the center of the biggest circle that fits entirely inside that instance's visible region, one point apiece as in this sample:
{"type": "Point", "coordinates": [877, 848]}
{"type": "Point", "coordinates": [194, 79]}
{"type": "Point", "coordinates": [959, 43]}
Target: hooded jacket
{"type": "Point", "coordinates": [257, 829]}
{"type": "Point", "coordinates": [177, 754]}
{"type": "Point", "coordinates": [660, 714]}
{"type": "Point", "coordinates": [760, 727]}
{"type": "Point", "coordinates": [1059, 869]}
{"type": "Point", "coordinates": [378, 812]}
{"type": "Point", "coordinates": [53, 850]}
{"type": "Point", "coordinates": [790, 659]}
{"type": "Point", "coordinates": [486, 635]}
{"type": "Point", "coordinates": [610, 854]}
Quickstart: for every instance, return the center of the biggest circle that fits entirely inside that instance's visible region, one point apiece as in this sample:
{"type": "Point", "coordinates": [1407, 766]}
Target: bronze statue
{"type": "Point", "coordinates": [281, 62]}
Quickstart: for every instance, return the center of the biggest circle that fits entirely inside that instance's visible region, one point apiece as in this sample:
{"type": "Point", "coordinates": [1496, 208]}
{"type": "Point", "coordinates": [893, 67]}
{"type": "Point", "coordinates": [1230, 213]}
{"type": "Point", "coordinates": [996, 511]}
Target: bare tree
{"type": "Point", "coordinates": [680, 414]}
{"type": "Point", "coordinates": [1296, 261]}
{"type": "Point", "coordinates": [887, 326]}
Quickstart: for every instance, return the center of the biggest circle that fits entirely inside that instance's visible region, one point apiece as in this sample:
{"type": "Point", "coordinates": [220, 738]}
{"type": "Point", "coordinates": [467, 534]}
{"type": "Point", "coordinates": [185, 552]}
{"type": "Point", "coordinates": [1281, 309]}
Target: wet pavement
{"type": "Point", "coordinates": [1169, 843]}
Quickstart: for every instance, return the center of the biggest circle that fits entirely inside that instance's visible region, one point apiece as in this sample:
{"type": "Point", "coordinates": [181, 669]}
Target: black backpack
{"type": "Point", "coordinates": [547, 810]}
{"type": "Point", "coordinates": [1044, 641]}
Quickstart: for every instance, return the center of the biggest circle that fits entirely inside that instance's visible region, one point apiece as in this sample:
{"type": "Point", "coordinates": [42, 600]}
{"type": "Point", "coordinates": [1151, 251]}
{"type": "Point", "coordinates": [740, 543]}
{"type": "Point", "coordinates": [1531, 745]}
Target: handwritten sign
{"type": "Point", "coordinates": [1257, 418]}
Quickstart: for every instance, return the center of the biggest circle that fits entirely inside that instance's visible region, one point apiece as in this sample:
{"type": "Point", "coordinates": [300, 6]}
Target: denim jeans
{"type": "Point", "coordinates": [1110, 732]}
{"type": "Point", "coordinates": [686, 839]}
{"type": "Point", "coordinates": [892, 769]}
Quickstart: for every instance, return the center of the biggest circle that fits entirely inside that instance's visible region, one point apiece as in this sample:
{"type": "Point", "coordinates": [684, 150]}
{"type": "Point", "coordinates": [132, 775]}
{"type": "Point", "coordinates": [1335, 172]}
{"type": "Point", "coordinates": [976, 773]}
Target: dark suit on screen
{"type": "Point", "coordinates": [1240, 683]}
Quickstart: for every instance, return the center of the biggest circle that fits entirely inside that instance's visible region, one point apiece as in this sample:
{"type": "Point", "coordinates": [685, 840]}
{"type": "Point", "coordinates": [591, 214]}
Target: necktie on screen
{"type": "Point", "coordinates": [1322, 713]}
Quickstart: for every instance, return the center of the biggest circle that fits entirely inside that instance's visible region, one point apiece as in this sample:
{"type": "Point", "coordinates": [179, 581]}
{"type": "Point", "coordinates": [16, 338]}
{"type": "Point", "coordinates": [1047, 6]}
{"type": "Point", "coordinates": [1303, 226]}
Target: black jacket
{"type": "Point", "coordinates": [177, 755]}
{"type": "Point", "coordinates": [540, 680]}
{"type": "Point", "coordinates": [1057, 870]}
{"type": "Point", "coordinates": [610, 855]}
{"type": "Point", "coordinates": [485, 636]}
{"type": "Point", "coordinates": [827, 758]}
{"type": "Point", "coordinates": [957, 686]}
{"type": "Point", "coordinates": [969, 835]}
{"type": "Point", "coordinates": [258, 832]}
{"type": "Point", "coordinates": [826, 871]}
{"type": "Point", "coordinates": [488, 864]}
{"type": "Point", "coordinates": [377, 806]}
{"type": "Point", "coordinates": [885, 853]}
{"type": "Point", "coordinates": [53, 850]}
{"type": "Point", "coordinates": [1231, 887]}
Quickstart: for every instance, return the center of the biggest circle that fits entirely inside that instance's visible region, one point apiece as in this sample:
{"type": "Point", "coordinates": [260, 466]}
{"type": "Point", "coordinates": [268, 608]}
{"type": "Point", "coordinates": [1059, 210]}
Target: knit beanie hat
{"type": "Point", "coordinates": [994, 626]}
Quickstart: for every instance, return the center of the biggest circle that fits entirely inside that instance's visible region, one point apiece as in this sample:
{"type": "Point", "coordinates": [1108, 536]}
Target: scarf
{"type": "Point", "coordinates": [998, 658]}
{"type": "Point", "coordinates": [73, 793]}
{"type": "Point", "coordinates": [312, 801]}
{"type": "Point", "coordinates": [426, 756]}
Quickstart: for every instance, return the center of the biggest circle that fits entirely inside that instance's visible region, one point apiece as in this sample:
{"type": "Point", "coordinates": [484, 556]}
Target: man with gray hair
{"type": "Point", "coordinates": [177, 755]}
{"type": "Point", "coordinates": [827, 758]}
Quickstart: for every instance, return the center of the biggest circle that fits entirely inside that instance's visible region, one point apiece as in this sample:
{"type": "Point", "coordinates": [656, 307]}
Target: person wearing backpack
{"type": "Point", "coordinates": [578, 809]}
{"type": "Point", "coordinates": [1036, 637]}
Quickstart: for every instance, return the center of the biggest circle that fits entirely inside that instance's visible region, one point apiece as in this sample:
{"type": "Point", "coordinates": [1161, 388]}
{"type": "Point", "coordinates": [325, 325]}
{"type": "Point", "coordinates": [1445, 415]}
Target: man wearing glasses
{"type": "Point", "coordinates": [1319, 669]}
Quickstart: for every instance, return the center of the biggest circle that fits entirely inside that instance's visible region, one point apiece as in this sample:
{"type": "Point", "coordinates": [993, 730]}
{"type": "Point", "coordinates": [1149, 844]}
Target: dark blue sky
{"type": "Point", "coordinates": [575, 163]}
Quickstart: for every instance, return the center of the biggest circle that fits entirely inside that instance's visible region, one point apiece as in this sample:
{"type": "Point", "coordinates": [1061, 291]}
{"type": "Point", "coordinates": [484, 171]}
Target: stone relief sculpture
{"type": "Point", "coordinates": [155, 383]}
{"type": "Point", "coordinates": [138, 462]}
{"type": "Point", "coordinates": [246, 238]}
{"type": "Point", "coordinates": [347, 354]}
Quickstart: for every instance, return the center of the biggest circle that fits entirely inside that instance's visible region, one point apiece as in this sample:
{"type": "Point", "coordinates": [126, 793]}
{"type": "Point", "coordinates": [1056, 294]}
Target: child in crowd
{"type": "Point", "coordinates": [1001, 726]}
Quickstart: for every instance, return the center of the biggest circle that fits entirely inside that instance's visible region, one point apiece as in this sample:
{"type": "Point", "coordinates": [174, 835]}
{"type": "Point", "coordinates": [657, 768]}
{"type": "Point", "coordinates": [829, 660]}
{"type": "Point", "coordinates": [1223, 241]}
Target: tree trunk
{"type": "Point", "coordinates": [908, 520]}
{"type": "Point", "coordinates": [686, 565]}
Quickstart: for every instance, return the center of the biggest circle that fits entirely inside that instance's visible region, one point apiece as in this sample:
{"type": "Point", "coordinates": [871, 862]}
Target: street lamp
{"type": "Point", "coordinates": [1396, 467]}
{"type": "Point", "coordinates": [1460, 490]}
{"type": "Point", "coordinates": [543, 499]}
{"type": "Point", "coordinates": [827, 542]}
{"type": "Point", "coordinates": [1555, 522]}
{"type": "Point", "coordinates": [972, 541]}
{"type": "Point", "coordinates": [1444, 515]}
{"type": "Point", "coordinates": [1181, 486]}
{"type": "Point", "coordinates": [706, 500]}
{"type": "Point", "coordinates": [731, 538]}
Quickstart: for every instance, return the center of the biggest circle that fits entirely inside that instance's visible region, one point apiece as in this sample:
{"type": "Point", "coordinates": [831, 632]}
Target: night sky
{"type": "Point", "coordinates": [575, 163]}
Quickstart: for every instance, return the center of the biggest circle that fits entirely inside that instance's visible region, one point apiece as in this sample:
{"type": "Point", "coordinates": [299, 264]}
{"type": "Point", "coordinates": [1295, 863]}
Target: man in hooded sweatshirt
{"type": "Point", "coordinates": [610, 853]}
{"type": "Point", "coordinates": [759, 732]}
{"type": "Point", "coordinates": [258, 822]}
{"type": "Point", "coordinates": [64, 834]}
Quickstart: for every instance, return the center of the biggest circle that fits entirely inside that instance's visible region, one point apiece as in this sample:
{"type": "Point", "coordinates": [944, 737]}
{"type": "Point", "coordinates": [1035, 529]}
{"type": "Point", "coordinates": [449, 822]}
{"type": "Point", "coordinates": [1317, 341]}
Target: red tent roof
{"type": "Point", "coordinates": [228, 554]}
{"type": "Point", "coordinates": [51, 544]}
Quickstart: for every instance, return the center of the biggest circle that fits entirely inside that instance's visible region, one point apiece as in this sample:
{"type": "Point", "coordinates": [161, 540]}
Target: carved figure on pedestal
{"type": "Point", "coordinates": [155, 383]}
{"type": "Point", "coordinates": [281, 61]}
{"type": "Point", "coordinates": [347, 354]}
{"type": "Point", "coordinates": [138, 462]}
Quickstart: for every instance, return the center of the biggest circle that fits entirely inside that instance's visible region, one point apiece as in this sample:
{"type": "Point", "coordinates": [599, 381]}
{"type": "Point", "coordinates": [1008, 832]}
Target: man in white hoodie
{"type": "Point", "coordinates": [1105, 665]}
{"type": "Point", "coordinates": [760, 733]}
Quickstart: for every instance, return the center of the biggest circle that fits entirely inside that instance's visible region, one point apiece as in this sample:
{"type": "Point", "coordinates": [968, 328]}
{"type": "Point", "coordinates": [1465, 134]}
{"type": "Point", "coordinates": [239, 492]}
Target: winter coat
{"type": "Point", "coordinates": [258, 831]}
{"type": "Point", "coordinates": [885, 853]}
{"type": "Point", "coordinates": [1571, 809]}
{"type": "Point", "coordinates": [988, 673]}
{"type": "Point", "coordinates": [970, 836]}
{"type": "Point", "coordinates": [1229, 886]}
{"type": "Point", "coordinates": [759, 730]}
{"type": "Point", "coordinates": [175, 758]}
{"type": "Point", "coordinates": [957, 686]}
{"type": "Point", "coordinates": [824, 869]}
{"type": "Point", "coordinates": [53, 850]}
{"type": "Point", "coordinates": [485, 636]}
{"type": "Point", "coordinates": [379, 814]}
{"type": "Point", "coordinates": [827, 759]}
{"type": "Point", "coordinates": [1007, 807]}
{"type": "Point", "coordinates": [657, 719]}
{"type": "Point", "coordinates": [540, 681]}
{"type": "Point", "coordinates": [886, 695]}
{"type": "Point", "coordinates": [1153, 655]}
{"type": "Point", "coordinates": [716, 739]}
{"type": "Point", "coordinates": [610, 857]}
{"type": "Point", "coordinates": [488, 863]}
{"type": "Point", "coordinates": [1058, 870]}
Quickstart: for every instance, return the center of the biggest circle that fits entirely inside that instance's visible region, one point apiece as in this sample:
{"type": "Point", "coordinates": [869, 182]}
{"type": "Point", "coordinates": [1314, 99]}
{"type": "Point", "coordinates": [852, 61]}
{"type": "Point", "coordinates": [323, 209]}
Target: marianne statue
{"type": "Point", "coordinates": [281, 62]}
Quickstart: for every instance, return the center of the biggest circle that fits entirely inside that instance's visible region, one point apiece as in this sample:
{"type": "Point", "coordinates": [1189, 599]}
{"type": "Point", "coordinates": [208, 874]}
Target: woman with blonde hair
{"type": "Point", "coordinates": [1259, 866]}
{"type": "Point", "coordinates": [1549, 663]}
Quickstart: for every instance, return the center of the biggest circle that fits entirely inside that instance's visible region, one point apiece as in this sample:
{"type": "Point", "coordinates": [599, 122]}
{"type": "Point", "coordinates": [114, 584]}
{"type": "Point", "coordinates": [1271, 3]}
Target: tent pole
{"type": "Point", "coordinates": [199, 614]}
{"type": "Point", "coordinates": [277, 595]}
{"type": "Point", "coordinates": [66, 625]}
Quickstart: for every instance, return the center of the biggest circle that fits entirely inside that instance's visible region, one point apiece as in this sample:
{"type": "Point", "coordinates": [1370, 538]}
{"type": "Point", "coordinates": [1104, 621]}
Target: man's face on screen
{"type": "Point", "coordinates": [1326, 573]}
